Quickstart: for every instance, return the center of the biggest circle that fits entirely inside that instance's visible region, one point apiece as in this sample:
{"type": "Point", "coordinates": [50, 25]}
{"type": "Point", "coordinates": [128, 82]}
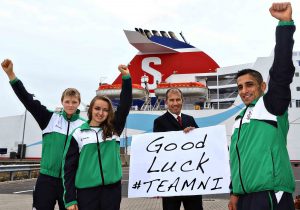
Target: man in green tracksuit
{"type": "Point", "coordinates": [261, 174]}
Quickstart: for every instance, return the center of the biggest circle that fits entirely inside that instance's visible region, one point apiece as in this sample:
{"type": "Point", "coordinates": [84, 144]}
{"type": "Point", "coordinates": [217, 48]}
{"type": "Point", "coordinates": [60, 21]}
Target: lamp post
{"type": "Point", "coordinates": [22, 143]}
{"type": "Point", "coordinates": [23, 135]}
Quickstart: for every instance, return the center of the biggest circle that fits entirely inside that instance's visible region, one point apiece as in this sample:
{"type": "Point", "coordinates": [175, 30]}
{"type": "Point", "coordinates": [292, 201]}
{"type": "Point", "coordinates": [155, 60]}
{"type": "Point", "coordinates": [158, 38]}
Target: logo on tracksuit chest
{"type": "Point", "coordinates": [249, 114]}
{"type": "Point", "coordinates": [84, 138]}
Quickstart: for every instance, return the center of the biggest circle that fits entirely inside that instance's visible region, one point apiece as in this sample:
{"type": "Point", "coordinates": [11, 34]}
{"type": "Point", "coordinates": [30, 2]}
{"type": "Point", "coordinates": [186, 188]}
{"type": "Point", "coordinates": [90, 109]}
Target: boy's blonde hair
{"type": "Point", "coordinates": [71, 92]}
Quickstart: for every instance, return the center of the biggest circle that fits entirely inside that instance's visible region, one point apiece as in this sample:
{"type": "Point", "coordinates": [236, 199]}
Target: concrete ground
{"type": "Point", "coordinates": [24, 202]}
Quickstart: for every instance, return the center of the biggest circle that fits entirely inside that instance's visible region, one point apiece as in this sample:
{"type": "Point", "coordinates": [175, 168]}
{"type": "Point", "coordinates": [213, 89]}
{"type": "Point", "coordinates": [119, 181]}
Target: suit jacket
{"type": "Point", "coordinates": [167, 122]}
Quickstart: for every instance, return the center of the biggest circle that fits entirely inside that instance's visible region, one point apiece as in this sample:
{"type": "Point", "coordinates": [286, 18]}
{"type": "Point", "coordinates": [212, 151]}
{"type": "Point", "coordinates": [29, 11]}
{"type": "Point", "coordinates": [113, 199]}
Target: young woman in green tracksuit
{"type": "Point", "coordinates": [55, 127]}
{"type": "Point", "coordinates": [92, 168]}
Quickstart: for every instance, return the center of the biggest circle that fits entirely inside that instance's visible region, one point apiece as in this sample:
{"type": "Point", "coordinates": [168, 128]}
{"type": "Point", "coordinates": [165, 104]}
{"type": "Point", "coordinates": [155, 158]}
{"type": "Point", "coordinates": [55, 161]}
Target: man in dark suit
{"type": "Point", "coordinates": [174, 120]}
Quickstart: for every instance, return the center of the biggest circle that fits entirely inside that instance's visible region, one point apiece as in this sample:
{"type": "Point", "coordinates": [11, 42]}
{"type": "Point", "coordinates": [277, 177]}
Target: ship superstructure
{"type": "Point", "coordinates": [210, 92]}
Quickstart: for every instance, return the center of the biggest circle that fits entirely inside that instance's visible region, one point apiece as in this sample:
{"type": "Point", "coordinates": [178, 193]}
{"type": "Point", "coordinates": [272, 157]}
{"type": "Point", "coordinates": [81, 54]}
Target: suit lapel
{"type": "Point", "coordinates": [169, 118]}
{"type": "Point", "coordinates": [187, 121]}
{"type": "Point", "coordinates": [184, 120]}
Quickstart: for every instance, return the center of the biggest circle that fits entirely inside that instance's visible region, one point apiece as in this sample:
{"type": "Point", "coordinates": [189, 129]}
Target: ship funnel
{"type": "Point", "coordinates": [164, 34]}
{"type": "Point", "coordinates": [172, 35]}
{"type": "Point", "coordinates": [148, 33]}
{"type": "Point", "coordinates": [155, 33]}
{"type": "Point", "coordinates": [142, 32]}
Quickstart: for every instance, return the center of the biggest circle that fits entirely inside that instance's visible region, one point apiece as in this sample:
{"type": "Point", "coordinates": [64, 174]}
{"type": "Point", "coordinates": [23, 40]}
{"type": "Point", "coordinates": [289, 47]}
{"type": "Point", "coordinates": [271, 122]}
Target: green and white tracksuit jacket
{"type": "Point", "coordinates": [89, 161]}
{"type": "Point", "coordinates": [55, 128]}
{"type": "Point", "coordinates": [259, 158]}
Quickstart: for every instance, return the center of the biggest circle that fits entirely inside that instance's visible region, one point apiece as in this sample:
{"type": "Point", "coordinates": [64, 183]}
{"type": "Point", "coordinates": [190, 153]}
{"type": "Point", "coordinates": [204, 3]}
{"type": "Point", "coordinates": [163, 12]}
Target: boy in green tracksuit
{"type": "Point", "coordinates": [55, 127]}
{"type": "Point", "coordinates": [259, 160]}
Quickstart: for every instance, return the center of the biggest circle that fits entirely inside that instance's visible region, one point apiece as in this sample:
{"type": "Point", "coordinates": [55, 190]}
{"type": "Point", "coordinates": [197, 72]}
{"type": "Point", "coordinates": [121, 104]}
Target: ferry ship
{"type": "Point", "coordinates": [163, 61]}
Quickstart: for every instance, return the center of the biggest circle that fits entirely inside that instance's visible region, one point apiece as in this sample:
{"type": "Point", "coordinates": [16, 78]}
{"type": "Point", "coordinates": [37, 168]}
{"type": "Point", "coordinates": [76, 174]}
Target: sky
{"type": "Point", "coordinates": [59, 44]}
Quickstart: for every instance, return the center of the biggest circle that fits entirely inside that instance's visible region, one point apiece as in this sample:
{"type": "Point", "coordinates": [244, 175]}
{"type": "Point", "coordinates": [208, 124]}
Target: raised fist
{"type": "Point", "coordinates": [123, 69]}
{"type": "Point", "coordinates": [281, 11]}
{"type": "Point", "coordinates": [7, 66]}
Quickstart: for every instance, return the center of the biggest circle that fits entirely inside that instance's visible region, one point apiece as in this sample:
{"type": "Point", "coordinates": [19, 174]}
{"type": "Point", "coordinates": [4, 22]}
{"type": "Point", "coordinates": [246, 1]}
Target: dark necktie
{"type": "Point", "coordinates": [179, 120]}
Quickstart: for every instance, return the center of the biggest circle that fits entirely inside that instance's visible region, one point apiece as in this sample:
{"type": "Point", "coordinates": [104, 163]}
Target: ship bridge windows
{"type": "Point", "coordinates": [298, 103]}
{"type": "Point", "coordinates": [298, 88]}
{"type": "Point", "coordinates": [224, 93]}
{"type": "Point", "coordinates": [227, 76]}
{"type": "Point", "coordinates": [296, 74]}
{"type": "Point", "coordinates": [210, 80]}
{"type": "Point", "coordinates": [225, 79]}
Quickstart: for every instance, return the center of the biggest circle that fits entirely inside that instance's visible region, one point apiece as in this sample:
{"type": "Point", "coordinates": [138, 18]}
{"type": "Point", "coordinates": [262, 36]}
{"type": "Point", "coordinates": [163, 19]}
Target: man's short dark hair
{"type": "Point", "coordinates": [174, 90]}
{"type": "Point", "coordinates": [252, 72]}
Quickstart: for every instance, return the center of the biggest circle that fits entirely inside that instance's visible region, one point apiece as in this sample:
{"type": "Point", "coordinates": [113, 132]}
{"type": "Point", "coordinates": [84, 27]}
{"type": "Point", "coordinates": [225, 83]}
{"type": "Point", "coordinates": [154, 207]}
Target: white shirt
{"type": "Point", "coordinates": [175, 115]}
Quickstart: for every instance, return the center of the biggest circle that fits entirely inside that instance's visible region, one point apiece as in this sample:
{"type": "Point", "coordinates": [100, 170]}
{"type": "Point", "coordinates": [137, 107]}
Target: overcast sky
{"type": "Point", "coordinates": [59, 44]}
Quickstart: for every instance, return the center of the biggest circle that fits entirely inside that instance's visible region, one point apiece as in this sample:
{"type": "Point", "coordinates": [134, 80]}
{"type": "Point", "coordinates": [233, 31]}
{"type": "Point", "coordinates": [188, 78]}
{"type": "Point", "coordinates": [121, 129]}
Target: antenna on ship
{"type": "Point", "coordinates": [181, 34]}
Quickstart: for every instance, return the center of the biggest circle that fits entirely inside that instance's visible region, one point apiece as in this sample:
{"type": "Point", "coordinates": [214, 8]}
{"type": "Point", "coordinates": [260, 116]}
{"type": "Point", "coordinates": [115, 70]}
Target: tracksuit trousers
{"type": "Point", "coordinates": [265, 200]}
{"type": "Point", "coordinates": [189, 202]}
{"type": "Point", "coordinates": [48, 190]}
{"type": "Point", "coordinates": [106, 197]}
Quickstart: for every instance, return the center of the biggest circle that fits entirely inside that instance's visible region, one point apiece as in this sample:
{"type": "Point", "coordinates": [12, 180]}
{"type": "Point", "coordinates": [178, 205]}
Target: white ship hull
{"type": "Point", "coordinates": [137, 122]}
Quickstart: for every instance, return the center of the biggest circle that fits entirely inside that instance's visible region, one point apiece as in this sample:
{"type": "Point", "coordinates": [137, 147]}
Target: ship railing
{"type": "Point", "coordinates": [188, 106]}
{"type": "Point", "coordinates": [233, 94]}
{"type": "Point", "coordinates": [12, 169]}
{"type": "Point", "coordinates": [134, 108]}
{"type": "Point", "coordinates": [221, 105]}
{"type": "Point", "coordinates": [157, 105]}
{"type": "Point", "coordinates": [227, 81]}
{"type": "Point", "coordinates": [147, 105]}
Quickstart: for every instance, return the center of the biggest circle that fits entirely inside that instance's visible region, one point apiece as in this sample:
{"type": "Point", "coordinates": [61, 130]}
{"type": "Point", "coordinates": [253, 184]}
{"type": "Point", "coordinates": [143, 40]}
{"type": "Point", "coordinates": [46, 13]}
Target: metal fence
{"type": "Point", "coordinates": [12, 169]}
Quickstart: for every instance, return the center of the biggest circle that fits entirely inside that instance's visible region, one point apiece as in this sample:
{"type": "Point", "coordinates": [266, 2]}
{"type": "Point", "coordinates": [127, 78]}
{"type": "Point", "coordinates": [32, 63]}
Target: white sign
{"type": "Point", "coordinates": [174, 163]}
